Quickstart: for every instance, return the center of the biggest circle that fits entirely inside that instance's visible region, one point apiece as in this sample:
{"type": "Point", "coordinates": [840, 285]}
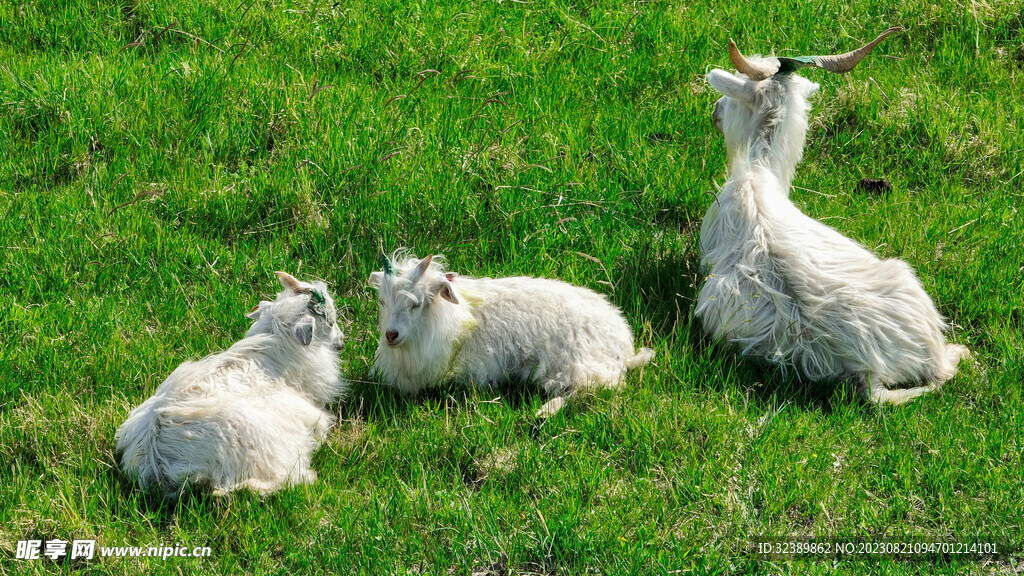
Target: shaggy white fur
{"type": "Point", "coordinates": [791, 290]}
{"type": "Point", "coordinates": [437, 327]}
{"type": "Point", "coordinates": [248, 417]}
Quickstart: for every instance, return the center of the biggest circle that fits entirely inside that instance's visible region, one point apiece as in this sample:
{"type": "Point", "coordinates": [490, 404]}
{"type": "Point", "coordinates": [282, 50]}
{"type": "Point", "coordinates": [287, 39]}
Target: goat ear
{"type": "Point", "coordinates": [304, 330]}
{"type": "Point", "coordinates": [257, 311]}
{"type": "Point", "coordinates": [730, 85]}
{"type": "Point", "coordinates": [445, 291]}
{"type": "Point", "coordinates": [291, 283]}
{"type": "Point", "coordinates": [420, 269]}
{"type": "Point", "coordinates": [451, 275]}
{"type": "Point", "coordinates": [375, 279]}
{"type": "Point", "coordinates": [807, 88]}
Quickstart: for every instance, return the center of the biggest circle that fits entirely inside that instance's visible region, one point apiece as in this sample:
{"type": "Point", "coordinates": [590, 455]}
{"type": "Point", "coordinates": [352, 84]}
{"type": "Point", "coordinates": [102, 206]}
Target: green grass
{"type": "Point", "coordinates": [159, 160]}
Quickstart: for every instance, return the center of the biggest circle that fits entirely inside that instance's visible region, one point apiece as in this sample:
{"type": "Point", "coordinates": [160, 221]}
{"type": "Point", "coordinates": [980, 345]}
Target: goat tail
{"type": "Point", "coordinates": [946, 365]}
{"type": "Point", "coordinates": [877, 393]}
{"type": "Point", "coordinates": [949, 363]}
{"type": "Point", "coordinates": [641, 358]}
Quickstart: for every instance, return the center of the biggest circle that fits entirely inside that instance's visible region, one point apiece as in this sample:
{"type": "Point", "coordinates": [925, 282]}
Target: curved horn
{"type": "Point", "coordinates": [752, 70]}
{"type": "Point", "coordinates": [845, 62]}
{"type": "Point", "coordinates": [838, 63]}
{"type": "Point", "coordinates": [289, 282]}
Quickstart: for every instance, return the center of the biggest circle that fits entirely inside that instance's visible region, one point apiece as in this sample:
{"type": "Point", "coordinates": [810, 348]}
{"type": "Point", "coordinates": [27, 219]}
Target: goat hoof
{"type": "Point", "coordinates": [551, 408]}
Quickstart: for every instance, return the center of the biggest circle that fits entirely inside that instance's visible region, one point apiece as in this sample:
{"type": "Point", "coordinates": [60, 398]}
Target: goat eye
{"type": "Point", "coordinates": [416, 305]}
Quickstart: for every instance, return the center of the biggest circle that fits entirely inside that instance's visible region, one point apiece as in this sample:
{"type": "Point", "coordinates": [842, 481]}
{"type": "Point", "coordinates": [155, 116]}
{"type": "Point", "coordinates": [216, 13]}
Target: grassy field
{"type": "Point", "coordinates": [159, 160]}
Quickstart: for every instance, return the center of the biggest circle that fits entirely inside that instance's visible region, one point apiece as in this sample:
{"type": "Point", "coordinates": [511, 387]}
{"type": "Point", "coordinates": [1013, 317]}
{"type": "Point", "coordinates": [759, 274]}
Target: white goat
{"type": "Point", "coordinates": [437, 327]}
{"type": "Point", "coordinates": [248, 417]}
{"type": "Point", "coordinates": [787, 288]}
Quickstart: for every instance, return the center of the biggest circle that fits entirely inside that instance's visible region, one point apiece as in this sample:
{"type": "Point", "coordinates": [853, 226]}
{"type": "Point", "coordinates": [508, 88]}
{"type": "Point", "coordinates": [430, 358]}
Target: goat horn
{"type": "Point", "coordinates": [838, 63]}
{"type": "Point", "coordinates": [744, 66]}
{"type": "Point", "coordinates": [389, 269]}
{"type": "Point", "coordinates": [289, 282]}
{"type": "Point", "coordinates": [317, 303]}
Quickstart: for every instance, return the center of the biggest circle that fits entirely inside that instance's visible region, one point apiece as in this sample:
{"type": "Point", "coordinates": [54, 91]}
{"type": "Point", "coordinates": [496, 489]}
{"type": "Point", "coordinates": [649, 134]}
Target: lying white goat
{"type": "Point", "coordinates": [437, 327]}
{"type": "Point", "coordinates": [248, 417]}
{"type": "Point", "coordinates": [787, 288]}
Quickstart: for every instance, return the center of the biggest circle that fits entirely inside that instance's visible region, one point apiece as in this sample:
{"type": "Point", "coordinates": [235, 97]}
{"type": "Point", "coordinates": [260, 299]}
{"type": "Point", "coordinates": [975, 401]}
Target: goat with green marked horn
{"type": "Point", "coordinates": [787, 289]}
{"type": "Point", "coordinates": [249, 417]}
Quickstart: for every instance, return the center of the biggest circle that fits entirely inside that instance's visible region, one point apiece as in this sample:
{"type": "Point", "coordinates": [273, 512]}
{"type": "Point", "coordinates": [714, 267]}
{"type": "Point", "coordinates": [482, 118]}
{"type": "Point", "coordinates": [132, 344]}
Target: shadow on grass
{"type": "Point", "coordinates": [378, 402]}
{"type": "Point", "coordinates": [765, 384]}
{"type": "Point", "coordinates": [154, 504]}
{"type": "Point", "coordinates": [662, 280]}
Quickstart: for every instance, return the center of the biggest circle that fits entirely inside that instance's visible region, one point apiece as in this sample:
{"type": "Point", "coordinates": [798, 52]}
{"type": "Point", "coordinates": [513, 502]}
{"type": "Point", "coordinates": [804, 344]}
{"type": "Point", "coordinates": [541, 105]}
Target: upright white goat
{"type": "Point", "coordinates": [787, 288]}
{"type": "Point", "coordinates": [248, 417]}
{"type": "Point", "coordinates": [437, 327]}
